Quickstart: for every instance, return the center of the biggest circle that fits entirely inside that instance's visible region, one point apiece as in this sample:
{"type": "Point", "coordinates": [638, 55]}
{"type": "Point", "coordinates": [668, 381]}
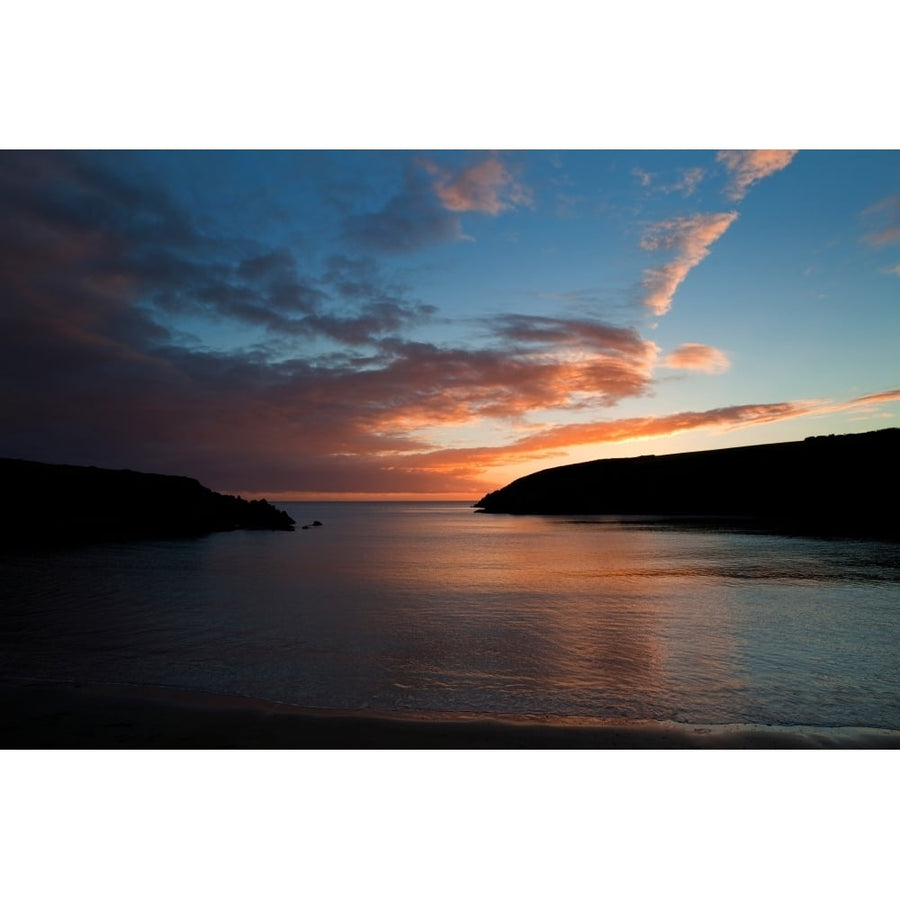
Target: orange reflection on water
{"type": "Point", "coordinates": [593, 614]}
{"type": "Point", "coordinates": [582, 610]}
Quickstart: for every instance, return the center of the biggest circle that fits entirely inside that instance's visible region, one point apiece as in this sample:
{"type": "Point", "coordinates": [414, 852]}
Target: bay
{"type": "Point", "coordinates": [430, 607]}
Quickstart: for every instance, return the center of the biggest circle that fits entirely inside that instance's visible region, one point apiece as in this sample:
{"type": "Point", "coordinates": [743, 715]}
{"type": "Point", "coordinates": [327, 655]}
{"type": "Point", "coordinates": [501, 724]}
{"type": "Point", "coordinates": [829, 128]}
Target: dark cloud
{"type": "Point", "coordinates": [551, 331]}
{"type": "Point", "coordinates": [412, 219]}
{"type": "Point", "coordinates": [73, 230]}
{"type": "Point", "coordinates": [92, 371]}
{"type": "Point", "coordinates": [99, 270]}
{"type": "Point", "coordinates": [273, 264]}
{"type": "Point", "coordinates": [94, 268]}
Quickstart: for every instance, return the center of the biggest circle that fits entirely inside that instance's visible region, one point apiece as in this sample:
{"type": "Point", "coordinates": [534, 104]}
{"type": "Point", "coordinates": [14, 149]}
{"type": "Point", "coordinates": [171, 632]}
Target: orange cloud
{"type": "Point", "coordinates": [347, 456]}
{"type": "Point", "coordinates": [867, 400]}
{"type": "Point", "coordinates": [698, 357]}
{"type": "Point", "coordinates": [467, 465]}
{"type": "Point", "coordinates": [487, 187]}
{"type": "Point", "coordinates": [611, 432]}
{"type": "Point", "coordinates": [691, 238]}
{"type": "Point", "coordinates": [749, 166]}
{"type": "Point", "coordinates": [542, 363]}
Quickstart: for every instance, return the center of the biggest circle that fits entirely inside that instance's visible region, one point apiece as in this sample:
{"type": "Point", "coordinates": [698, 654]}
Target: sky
{"type": "Point", "coordinates": [318, 323]}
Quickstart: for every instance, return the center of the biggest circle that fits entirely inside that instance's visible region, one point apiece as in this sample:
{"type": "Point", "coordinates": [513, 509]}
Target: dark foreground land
{"type": "Point", "coordinates": [52, 504]}
{"type": "Point", "coordinates": [36, 715]}
{"type": "Point", "coordinates": [840, 485]}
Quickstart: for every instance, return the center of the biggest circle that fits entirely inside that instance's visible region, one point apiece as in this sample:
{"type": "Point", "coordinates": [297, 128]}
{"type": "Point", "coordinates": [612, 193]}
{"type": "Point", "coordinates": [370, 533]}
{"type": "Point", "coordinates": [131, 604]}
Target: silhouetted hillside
{"type": "Point", "coordinates": [44, 503]}
{"type": "Point", "coordinates": [845, 484]}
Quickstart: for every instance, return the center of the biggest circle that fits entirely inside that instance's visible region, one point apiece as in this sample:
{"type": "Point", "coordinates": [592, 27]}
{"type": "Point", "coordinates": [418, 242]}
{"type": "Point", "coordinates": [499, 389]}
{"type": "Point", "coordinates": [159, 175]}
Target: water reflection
{"type": "Point", "coordinates": [406, 606]}
{"type": "Point", "coordinates": [540, 618]}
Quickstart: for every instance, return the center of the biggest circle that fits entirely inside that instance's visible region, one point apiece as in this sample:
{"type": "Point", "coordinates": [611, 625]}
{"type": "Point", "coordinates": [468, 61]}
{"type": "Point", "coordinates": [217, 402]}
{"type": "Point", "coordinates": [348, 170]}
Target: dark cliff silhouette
{"type": "Point", "coordinates": [845, 484]}
{"type": "Point", "coordinates": [52, 504]}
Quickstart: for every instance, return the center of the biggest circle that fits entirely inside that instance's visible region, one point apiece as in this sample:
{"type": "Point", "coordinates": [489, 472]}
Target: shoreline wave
{"type": "Point", "coordinates": [54, 715]}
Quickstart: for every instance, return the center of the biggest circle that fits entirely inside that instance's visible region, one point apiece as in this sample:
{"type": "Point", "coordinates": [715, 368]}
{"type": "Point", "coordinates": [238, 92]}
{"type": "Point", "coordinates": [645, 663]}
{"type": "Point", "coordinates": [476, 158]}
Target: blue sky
{"type": "Point", "coordinates": [343, 323]}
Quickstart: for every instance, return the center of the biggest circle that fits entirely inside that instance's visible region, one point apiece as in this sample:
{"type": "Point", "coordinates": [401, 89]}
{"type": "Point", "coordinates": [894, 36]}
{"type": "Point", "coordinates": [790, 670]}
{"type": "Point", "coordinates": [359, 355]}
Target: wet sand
{"type": "Point", "coordinates": [40, 715]}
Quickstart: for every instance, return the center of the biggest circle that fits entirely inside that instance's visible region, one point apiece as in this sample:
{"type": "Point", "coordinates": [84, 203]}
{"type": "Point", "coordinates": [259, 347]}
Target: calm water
{"type": "Point", "coordinates": [429, 606]}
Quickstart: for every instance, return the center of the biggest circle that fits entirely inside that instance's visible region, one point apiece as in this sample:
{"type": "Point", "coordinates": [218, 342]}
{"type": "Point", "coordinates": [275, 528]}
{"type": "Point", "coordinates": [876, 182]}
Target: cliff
{"type": "Point", "coordinates": [845, 484]}
{"type": "Point", "coordinates": [43, 503]}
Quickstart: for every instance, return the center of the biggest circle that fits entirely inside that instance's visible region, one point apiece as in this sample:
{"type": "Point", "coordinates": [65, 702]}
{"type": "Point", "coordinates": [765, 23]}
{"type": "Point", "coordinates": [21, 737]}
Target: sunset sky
{"type": "Point", "coordinates": [367, 323]}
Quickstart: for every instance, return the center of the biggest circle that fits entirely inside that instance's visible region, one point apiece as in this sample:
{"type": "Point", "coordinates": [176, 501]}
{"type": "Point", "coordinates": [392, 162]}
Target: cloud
{"type": "Point", "coordinates": [892, 270]}
{"type": "Point", "coordinates": [242, 421]}
{"type": "Point", "coordinates": [643, 177]}
{"type": "Point", "coordinates": [73, 246]}
{"type": "Point", "coordinates": [93, 370]}
{"type": "Point", "coordinates": [487, 187]}
{"type": "Point", "coordinates": [412, 219]}
{"type": "Point", "coordinates": [698, 357]}
{"type": "Point", "coordinates": [884, 218]}
{"type": "Point", "coordinates": [475, 462]}
{"type": "Point", "coordinates": [689, 180]}
{"type": "Point", "coordinates": [566, 436]}
{"type": "Point", "coordinates": [691, 239]}
{"type": "Point", "coordinates": [99, 272]}
{"type": "Point", "coordinates": [888, 235]}
{"type": "Point", "coordinates": [866, 400]}
{"type": "Point", "coordinates": [749, 166]}
{"type": "Point", "coordinates": [547, 330]}
{"type": "Point", "coordinates": [536, 364]}
{"type": "Point", "coordinates": [426, 210]}
{"type": "Point", "coordinates": [685, 184]}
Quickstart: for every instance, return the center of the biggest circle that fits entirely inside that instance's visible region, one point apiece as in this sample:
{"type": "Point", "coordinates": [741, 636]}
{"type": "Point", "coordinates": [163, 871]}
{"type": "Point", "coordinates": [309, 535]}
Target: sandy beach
{"type": "Point", "coordinates": [41, 715]}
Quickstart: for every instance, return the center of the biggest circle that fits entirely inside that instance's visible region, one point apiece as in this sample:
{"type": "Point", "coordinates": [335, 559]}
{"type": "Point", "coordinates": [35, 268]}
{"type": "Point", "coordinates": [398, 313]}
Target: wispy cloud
{"type": "Point", "coordinates": [643, 177]}
{"type": "Point", "coordinates": [698, 357]}
{"type": "Point", "coordinates": [691, 239]}
{"type": "Point", "coordinates": [888, 235]}
{"type": "Point", "coordinates": [749, 166]}
{"type": "Point", "coordinates": [685, 184]}
{"type": "Point", "coordinates": [486, 187]}
{"type": "Point", "coordinates": [475, 462]}
{"type": "Point", "coordinates": [467, 469]}
{"type": "Point", "coordinates": [866, 400]}
{"type": "Point", "coordinates": [884, 220]}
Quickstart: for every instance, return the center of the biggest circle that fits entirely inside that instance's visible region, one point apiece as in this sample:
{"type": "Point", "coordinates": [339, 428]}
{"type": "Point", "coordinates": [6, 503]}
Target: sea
{"type": "Point", "coordinates": [432, 607]}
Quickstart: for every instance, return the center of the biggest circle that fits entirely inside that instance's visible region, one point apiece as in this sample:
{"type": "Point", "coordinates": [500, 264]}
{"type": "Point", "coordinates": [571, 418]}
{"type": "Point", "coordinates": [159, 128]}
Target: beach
{"type": "Point", "coordinates": [41, 715]}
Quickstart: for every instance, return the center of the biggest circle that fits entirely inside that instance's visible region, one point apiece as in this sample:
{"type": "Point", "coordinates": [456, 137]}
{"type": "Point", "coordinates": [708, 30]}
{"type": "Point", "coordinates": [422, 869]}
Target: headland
{"type": "Point", "coordinates": [47, 504]}
{"type": "Point", "coordinates": [839, 485]}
